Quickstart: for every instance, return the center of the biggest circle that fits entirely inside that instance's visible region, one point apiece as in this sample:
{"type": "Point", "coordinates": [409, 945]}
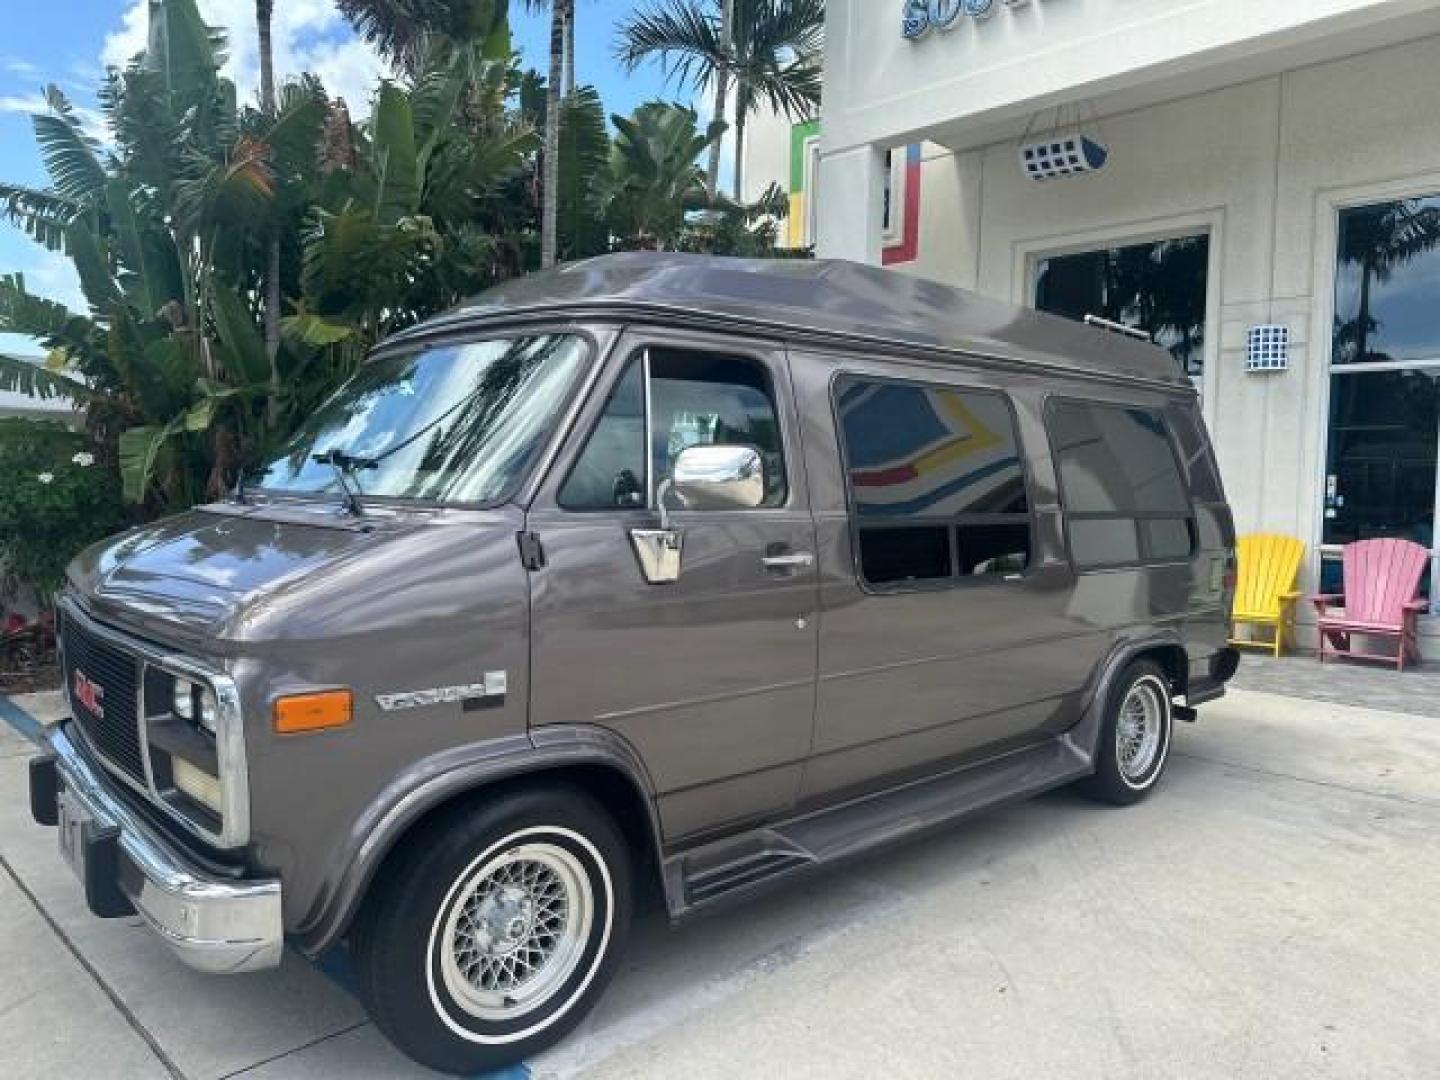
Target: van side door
{"type": "Point", "coordinates": [710, 677]}
{"type": "Point", "coordinates": [945, 627]}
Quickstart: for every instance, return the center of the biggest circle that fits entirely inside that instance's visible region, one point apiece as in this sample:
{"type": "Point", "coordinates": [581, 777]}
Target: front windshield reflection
{"type": "Point", "coordinates": [455, 423]}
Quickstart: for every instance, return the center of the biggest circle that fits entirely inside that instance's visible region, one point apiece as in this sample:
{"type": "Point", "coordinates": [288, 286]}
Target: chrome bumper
{"type": "Point", "coordinates": [213, 924]}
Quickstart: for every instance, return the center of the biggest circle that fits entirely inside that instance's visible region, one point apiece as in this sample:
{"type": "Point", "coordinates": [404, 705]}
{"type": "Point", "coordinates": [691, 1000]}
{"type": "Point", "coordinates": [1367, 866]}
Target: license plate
{"type": "Point", "coordinates": [73, 818]}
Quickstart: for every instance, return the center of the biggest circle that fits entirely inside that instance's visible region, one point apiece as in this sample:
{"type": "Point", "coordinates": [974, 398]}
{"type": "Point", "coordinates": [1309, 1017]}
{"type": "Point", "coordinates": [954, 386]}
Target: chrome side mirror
{"type": "Point", "coordinates": [705, 478]}
{"type": "Point", "coordinates": [719, 478]}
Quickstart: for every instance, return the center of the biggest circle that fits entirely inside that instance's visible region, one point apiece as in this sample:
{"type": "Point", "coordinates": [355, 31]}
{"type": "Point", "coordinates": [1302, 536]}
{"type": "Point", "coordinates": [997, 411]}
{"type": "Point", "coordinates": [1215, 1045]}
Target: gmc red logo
{"type": "Point", "coordinates": [88, 693]}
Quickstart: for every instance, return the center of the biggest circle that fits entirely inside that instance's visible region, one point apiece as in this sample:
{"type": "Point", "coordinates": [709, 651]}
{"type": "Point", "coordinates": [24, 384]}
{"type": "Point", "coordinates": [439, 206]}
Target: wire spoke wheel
{"type": "Point", "coordinates": [516, 931]}
{"type": "Point", "coordinates": [1140, 731]}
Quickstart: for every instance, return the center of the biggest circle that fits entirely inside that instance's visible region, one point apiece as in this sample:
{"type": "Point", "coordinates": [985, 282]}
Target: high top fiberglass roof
{"type": "Point", "coordinates": [795, 297]}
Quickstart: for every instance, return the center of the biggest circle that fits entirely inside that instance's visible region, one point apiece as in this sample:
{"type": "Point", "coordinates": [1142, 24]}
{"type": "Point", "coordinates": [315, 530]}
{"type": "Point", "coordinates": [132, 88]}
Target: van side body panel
{"type": "Point", "coordinates": [919, 679]}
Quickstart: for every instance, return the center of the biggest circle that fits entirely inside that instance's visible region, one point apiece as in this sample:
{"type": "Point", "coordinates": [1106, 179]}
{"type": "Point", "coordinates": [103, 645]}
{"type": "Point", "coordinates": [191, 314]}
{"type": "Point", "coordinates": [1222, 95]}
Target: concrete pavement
{"type": "Point", "coordinates": [1268, 914]}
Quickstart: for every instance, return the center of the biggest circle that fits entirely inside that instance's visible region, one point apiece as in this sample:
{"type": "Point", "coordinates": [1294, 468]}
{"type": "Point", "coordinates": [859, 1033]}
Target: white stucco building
{"type": "Point", "coordinates": [1272, 168]}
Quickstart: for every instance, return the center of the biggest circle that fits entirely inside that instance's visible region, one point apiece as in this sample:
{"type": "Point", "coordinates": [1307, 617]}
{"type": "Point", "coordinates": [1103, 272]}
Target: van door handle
{"type": "Point", "coordinates": [800, 560]}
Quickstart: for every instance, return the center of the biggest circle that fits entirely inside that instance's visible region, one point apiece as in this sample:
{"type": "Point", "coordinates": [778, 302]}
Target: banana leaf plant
{"type": "Point", "coordinates": [652, 179]}
{"type": "Point", "coordinates": [420, 222]}
{"type": "Point", "coordinates": [161, 229]}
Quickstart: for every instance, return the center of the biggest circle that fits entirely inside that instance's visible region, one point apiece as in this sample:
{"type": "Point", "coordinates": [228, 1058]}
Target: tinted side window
{"type": "Point", "coordinates": [1120, 483]}
{"type": "Point", "coordinates": [936, 479]}
{"type": "Point", "coordinates": [709, 399]}
{"type": "Point", "coordinates": [610, 472]}
{"type": "Point", "coordinates": [695, 399]}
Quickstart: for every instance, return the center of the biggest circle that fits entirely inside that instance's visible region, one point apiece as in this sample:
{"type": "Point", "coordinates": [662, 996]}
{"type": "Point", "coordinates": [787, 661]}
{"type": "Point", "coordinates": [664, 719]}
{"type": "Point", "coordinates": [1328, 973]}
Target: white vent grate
{"type": "Point", "coordinates": [1268, 348]}
{"type": "Point", "coordinates": [1062, 155]}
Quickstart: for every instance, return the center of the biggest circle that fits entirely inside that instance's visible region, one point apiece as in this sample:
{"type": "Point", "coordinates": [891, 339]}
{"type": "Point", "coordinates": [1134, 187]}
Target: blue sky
{"type": "Point", "coordinates": [69, 42]}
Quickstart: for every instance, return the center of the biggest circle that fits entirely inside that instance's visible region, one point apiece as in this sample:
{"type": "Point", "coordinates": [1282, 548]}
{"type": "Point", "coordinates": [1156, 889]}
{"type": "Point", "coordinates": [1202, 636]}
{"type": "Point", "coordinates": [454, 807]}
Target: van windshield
{"type": "Point", "coordinates": [453, 423]}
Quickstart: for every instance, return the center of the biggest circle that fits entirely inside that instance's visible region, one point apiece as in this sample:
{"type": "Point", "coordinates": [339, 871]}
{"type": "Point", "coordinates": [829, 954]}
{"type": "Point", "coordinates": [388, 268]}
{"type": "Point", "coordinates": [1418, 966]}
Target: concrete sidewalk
{"type": "Point", "coordinates": [1268, 914]}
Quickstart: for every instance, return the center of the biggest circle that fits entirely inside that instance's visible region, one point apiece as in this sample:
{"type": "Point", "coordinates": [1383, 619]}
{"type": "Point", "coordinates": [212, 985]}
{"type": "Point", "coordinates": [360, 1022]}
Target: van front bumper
{"type": "Point", "coordinates": [214, 924]}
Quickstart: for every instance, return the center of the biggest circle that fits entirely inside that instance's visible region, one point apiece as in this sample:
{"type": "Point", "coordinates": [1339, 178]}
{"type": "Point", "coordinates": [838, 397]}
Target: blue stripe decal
{"type": "Point", "coordinates": [24, 724]}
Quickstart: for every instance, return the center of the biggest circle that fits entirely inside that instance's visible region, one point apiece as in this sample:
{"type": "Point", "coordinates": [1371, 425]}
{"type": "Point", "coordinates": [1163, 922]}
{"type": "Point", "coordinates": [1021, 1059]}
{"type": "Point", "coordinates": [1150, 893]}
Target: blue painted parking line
{"type": "Point", "coordinates": [336, 966]}
{"type": "Point", "coordinates": [24, 724]}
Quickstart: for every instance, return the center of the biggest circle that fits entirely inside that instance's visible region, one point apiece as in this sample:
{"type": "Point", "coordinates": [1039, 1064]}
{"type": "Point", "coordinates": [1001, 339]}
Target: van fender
{"type": "Point", "coordinates": [1084, 737]}
{"type": "Point", "coordinates": [433, 781]}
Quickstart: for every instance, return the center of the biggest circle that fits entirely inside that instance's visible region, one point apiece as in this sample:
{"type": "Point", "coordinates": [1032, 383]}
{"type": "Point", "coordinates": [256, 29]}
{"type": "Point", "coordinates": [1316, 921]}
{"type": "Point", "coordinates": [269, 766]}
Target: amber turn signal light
{"type": "Point", "coordinates": [300, 713]}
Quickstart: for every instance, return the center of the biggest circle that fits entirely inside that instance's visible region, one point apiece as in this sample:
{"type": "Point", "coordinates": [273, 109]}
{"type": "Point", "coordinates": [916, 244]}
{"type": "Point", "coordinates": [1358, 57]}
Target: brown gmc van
{"type": "Point", "coordinates": [652, 573]}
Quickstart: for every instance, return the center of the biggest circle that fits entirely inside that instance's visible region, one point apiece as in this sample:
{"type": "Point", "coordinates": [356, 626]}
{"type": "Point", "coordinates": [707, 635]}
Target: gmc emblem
{"type": "Point", "coordinates": [88, 693]}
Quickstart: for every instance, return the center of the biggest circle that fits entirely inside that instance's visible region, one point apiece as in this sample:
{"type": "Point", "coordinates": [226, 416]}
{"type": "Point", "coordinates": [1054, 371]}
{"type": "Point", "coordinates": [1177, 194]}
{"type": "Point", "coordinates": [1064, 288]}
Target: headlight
{"type": "Point", "coordinates": [209, 711]}
{"type": "Point", "coordinates": [197, 783]}
{"type": "Point", "coordinates": [184, 699]}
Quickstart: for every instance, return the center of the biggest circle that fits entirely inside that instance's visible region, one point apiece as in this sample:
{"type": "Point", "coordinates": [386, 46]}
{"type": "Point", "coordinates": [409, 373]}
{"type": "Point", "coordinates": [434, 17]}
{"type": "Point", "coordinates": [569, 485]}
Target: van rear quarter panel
{"type": "Point", "coordinates": [1185, 600]}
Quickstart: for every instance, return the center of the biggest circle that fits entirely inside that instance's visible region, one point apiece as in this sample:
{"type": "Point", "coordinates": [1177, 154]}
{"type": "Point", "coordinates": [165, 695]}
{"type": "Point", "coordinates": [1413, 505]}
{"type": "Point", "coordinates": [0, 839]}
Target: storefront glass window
{"type": "Point", "coordinates": [1156, 287]}
{"type": "Point", "coordinates": [1380, 478]}
{"type": "Point", "coordinates": [1383, 440]}
{"type": "Point", "coordinates": [1386, 283]}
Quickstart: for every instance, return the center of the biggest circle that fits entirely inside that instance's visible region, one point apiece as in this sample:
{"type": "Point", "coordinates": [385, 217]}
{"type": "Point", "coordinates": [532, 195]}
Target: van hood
{"type": "Point", "coordinates": [209, 574]}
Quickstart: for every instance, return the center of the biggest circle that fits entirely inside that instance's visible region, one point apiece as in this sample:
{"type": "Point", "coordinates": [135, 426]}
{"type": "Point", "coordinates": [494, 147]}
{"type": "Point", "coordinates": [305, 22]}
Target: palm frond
{"type": "Point", "coordinates": [782, 29]}
{"type": "Point", "coordinates": [683, 37]}
{"type": "Point", "coordinates": [41, 215]}
{"type": "Point", "coordinates": [70, 156]}
{"type": "Point", "coordinates": [21, 375]}
{"type": "Point", "coordinates": [777, 55]}
{"type": "Point", "coordinates": [236, 192]}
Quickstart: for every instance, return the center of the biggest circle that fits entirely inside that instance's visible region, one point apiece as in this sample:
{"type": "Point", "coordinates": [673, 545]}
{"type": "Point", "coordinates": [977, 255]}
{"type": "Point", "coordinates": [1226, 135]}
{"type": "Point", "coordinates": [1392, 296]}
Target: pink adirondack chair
{"type": "Point", "coordinates": [1382, 578]}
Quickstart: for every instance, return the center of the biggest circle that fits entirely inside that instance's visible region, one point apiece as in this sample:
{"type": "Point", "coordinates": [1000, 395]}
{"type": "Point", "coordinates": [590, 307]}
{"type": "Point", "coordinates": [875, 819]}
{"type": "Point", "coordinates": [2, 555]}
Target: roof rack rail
{"type": "Point", "coordinates": [1118, 328]}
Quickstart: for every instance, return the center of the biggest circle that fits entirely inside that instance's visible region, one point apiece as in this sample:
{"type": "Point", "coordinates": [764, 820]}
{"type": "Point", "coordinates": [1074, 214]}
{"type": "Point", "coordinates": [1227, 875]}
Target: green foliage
{"type": "Point", "coordinates": [169, 227]}
{"type": "Point", "coordinates": [771, 53]}
{"type": "Point", "coordinates": [584, 156]}
{"type": "Point", "coordinates": [52, 504]}
{"type": "Point", "coordinates": [403, 29]}
{"type": "Point", "coordinates": [652, 178]}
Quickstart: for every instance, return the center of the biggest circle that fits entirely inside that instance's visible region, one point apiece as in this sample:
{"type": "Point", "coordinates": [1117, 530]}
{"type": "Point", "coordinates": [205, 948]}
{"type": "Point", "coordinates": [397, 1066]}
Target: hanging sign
{"type": "Point", "coordinates": [922, 16]}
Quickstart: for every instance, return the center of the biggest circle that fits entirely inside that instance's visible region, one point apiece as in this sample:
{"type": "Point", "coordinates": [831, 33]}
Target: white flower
{"type": "Point", "coordinates": [83, 459]}
{"type": "Point", "coordinates": [46, 477]}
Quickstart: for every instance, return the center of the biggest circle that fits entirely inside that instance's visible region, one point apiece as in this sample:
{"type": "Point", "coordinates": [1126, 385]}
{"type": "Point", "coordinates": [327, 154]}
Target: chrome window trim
{"type": "Point", "coordinates": [229, 731]}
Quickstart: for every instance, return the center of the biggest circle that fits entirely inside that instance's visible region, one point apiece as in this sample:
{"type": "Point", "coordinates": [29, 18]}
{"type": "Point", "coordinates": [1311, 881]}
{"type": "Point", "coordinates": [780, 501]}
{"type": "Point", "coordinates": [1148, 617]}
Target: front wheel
{"type": "Point", "coordinates": [496, 929]}
{"type": "Point", "coordinates": [1135, 738]}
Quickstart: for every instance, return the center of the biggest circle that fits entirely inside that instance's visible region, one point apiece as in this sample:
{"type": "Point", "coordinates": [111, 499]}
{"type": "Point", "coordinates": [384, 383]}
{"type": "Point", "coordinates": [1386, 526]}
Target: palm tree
{"type": "Point", "coordinates": [770, 50]}
{"type": "Point", "coordinates": [399, 28]}
{"type": "Point", "coordinates": [264, 15]}
{"type": "Point", "coordinates": [562, 23]}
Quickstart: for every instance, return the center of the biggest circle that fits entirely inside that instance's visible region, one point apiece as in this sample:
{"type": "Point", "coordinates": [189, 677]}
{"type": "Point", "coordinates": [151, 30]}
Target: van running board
{"type": "Point", "coordinates": [743, 864]}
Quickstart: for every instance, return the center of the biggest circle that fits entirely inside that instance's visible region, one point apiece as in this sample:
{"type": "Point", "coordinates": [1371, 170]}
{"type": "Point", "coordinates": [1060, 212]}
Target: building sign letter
{"type": "Point", "coordinates": [919, 17]}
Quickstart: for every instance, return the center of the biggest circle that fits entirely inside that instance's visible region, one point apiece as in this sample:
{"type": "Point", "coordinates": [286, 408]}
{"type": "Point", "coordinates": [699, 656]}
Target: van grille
{"type": "Point", "coordinates": [112, 724]}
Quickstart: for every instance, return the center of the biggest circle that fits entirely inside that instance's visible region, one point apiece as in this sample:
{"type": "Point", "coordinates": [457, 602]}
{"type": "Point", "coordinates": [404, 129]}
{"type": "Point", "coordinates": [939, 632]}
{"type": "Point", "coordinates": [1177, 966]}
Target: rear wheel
{"type": "Point", "coordinates": [496, 929]}
{"type": "Point", "coordinates": [1134, 742]}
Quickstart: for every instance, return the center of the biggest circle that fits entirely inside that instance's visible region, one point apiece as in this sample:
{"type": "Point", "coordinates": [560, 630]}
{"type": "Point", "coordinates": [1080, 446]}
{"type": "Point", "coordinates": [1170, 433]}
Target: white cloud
{"type": "Point", "coordinates": [92, 121]}
{"type": "Point", "coordinates": [309, 36]}
{"type": "Point", "coordinates": [22, 103]}
{"type": "Point", "coordinates": [24, 68]}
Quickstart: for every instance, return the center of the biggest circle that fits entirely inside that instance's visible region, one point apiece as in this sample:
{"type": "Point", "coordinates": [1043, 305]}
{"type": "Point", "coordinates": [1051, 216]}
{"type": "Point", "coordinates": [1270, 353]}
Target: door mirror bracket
{"type": "Point", "coordinates": [704, 478]}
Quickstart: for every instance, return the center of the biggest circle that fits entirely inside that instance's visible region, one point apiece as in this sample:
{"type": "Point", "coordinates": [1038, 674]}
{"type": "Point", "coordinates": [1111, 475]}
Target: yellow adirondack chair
{"type": "Point", "coordinates": [1265, 593]}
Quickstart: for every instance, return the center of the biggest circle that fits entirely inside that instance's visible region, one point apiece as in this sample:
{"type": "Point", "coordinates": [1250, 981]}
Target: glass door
{"type": "Point", "coordinates": [1384, 425]}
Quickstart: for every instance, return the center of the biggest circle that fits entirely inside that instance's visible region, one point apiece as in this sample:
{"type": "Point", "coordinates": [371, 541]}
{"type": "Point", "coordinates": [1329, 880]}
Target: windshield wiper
{"type": "Point", "coordinates": [345, 465]}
